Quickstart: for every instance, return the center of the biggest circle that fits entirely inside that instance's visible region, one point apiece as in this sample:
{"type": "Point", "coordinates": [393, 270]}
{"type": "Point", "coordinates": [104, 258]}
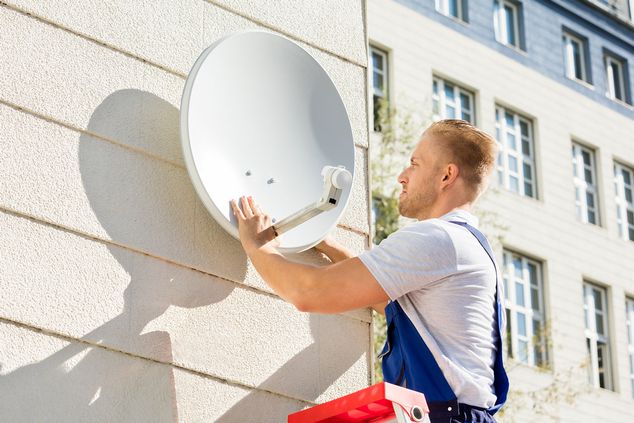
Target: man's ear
{"type": "Point", "coordinates": [451, 174]}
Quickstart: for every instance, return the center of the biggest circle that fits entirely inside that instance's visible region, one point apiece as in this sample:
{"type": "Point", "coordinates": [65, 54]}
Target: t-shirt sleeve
{"type": "Point", "coordinates": [411, 258]}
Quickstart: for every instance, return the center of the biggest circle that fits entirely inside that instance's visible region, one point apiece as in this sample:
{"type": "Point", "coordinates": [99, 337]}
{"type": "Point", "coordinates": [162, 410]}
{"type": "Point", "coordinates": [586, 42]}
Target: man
{"type": "Point", "coordinates": [444, 317]}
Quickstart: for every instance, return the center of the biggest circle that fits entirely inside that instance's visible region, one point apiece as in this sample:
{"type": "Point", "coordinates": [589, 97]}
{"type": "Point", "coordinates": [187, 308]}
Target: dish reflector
{"type": "Point", "coordinates": [260, 117]}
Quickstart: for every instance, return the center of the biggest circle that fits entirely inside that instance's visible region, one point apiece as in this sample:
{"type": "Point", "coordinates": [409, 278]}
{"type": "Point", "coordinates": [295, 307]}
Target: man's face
{"type": "Point", "coordinates": [420, 181]}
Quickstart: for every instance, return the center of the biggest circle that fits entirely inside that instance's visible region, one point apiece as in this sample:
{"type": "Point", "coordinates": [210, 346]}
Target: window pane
{"type": "Point", "coordinates": [510, 139]}
{"type": "Point", "coordinates": [535, 299]}
{"type": "Point", "coordinates": [587, 173]}
{"type": "Point", "coordinates": [586, 157]}
{"type": "Point", "coordinates": [524, 128]}
{"type": "Point", "coordinates": [453, 8]}
{"type": "Point", "coordinates": [509, 22]}
{"type": "Point", "coordinates": [602, 364]}
{"type": "Point", "coordinates": [521, 324]}
{"type": "Point", "coordinates": [590, 199]}
{"type": "Point", "coordinates": [576, 52]}
{"type": "Point", "coordinates": [513, 164]}
{"type": "Point", "coordinates": [526, 149]}
{"type": "Point", "coordinates": [630, 217]}
{"type": "Point", "coordinates": [599, 319]}
{"type": "Point", "coordinates": [465, 102]}
{"type": "Point", "coordinates": [626, 177]}
{"type": "Point", "coordinates": [449, 92]}
{"type": "Point", "coordinates": [514, 184]}
{"type": "Point", "coordinates": [509, 120]}
{"type": "Point", "coordinates": [528, 189]}
{"type": "Point", "coordinates": [377, 61]}
{"type": "Point", "coordinates": [628, 195]}
{"type": "Point", "coordinates": [598, 303]}
{"type": "Point", "coordinates": [517, 265]}
{"type": "Point", "coordinates": [519, 294]}
{"type": "Point", "coordinates": [616, 80]}
{"type": "Point", "coordinates": [450, 112]}
{"type": "Point", "coordinates": [539, 336]}
{"type": "Point", "coordinates": [435, 86]}
{"type": "Point", "coordinates": [527, 171]}
{"type": "Point", "coordinates": [377, 83]}
{"type": "Point", "coordinates": [592, 217]}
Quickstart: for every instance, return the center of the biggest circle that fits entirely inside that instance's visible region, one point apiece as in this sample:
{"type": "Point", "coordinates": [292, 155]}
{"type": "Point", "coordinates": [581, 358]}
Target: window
{"type": "Point", "coordinates": [516, 156]}
{"type": "Point", "coordinates": [453, 8]}
{"type": "Point", "coordinates": [614, 70]}
{"type": "Point", "coordinates": [595, 310]}
{"type": "Point", "coordinates": [506, 22]}
{"type": "Point", "coordinates": [629, 318]}
{"type": "Point", "coordinates": [575, 53]}
{"type": "Point", "coordinates": [450, 101]}
{"type": "Point", "coordinates": [585, 180]}
{"type": "Point", "coordinates": [379, 85]}
{"type": "Point", "coordinates": [525, 323]}
{"type": "Point", "coordinates": [623, 185]}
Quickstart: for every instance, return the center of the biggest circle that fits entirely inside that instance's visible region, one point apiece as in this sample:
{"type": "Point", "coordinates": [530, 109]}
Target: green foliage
{"type": "Point", "coordinates": [399, 133]}
{"type": "Point", "coordinates": [386, 216]}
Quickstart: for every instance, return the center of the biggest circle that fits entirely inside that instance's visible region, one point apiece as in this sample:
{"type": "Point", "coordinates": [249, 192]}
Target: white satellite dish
{"type": "Point", "coordinates": [260, 117]}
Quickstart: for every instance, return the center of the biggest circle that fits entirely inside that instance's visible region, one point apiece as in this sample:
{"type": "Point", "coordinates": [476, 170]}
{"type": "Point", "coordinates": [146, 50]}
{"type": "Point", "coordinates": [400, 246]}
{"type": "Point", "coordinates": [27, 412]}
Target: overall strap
{"type": "Point", "coordinates": [407, 361]}
{"type": "Point", "coordinates": [501, 381]}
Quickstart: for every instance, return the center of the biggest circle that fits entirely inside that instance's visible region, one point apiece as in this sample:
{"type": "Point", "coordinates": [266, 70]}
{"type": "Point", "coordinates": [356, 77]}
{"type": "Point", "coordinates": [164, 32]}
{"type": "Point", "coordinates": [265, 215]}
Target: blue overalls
{"type": "Point", "coordinates": [408, 361]}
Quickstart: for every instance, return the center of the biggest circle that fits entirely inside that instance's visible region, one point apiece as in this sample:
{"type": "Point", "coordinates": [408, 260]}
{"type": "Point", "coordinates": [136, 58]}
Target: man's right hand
{"type": "Point", "coordinates": [334, 250]}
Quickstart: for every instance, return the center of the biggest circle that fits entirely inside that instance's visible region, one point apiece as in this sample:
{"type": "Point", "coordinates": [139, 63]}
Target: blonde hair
{"type": "Point", "coordinates": [471, 149]}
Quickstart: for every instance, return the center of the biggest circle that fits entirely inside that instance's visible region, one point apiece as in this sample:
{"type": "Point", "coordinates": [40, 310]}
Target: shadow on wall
{"type": "Point", "coordinates": [138, 207]}
{"type": "Point", "coordinates": [305, 376]}
{"type": "Point", "coordinates": [84, 383]}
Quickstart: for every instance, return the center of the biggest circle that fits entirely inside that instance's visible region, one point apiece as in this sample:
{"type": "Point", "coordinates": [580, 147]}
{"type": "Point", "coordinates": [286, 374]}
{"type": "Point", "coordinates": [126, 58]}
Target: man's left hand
{"type": "Point", "coordinates": [255, 226]}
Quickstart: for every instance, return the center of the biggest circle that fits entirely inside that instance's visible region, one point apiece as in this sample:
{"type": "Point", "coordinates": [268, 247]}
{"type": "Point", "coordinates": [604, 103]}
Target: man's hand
{"type": "Point", "coordinates": [254, 226]}
{"type": "Point", "coordinates": [333, 250]}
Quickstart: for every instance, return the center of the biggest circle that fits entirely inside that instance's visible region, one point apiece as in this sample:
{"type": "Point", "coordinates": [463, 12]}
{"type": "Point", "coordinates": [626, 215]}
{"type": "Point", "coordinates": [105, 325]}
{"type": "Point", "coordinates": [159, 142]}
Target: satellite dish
{"type": "Point", "coordinates": [260, 117]}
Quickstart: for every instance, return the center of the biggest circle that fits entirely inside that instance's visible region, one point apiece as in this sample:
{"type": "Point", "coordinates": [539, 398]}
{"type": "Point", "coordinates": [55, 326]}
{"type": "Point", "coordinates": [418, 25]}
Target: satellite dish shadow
{"type": "Point", "coordinates": [123, 192]}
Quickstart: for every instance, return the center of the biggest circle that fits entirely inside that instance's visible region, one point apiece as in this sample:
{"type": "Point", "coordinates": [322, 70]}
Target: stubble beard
{"type": "Point", "coordinates": [418, 206]}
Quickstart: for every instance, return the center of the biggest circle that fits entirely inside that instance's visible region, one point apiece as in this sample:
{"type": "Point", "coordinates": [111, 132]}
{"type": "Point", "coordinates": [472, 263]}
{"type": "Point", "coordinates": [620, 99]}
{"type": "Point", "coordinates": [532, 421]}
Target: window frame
{"type": "Point", "coordinates": [442, 7]}
{"type": "Point", "coordinates": [622, 205]}
{"type": "Point", "coordinates": [504, 174]}
{"type": "Point", "coordinates": [569, 62]}
{"type": "Point", "coordinates": [384, 54]}
{"type": "Point", "coordinates": [579, 167]}
{"type": "Point", "coordinates": [440, 100]}
{"type": "Point", "coordinates": [609, 74]}
{"type": "Point", "coordinates": [535, 342]}
{"type": "Point", "coordinates": [499, 17]}
{"type": "Point", "coordinates": [593, 338]}
{"type": "Point", "coordinates": [629, 324]}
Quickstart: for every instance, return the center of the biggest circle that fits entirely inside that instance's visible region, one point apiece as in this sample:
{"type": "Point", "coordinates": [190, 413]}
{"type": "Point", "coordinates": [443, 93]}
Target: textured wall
{"type": "Point", "coordinates": [121, 298]}
{"type": "Point", "coordinates": [547, 228]}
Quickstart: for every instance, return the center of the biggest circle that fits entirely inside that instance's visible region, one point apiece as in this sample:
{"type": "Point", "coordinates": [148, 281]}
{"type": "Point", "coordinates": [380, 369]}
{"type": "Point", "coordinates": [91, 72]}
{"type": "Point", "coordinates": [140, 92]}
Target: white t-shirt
{"type": "Point", "coordinates": [445, 282]}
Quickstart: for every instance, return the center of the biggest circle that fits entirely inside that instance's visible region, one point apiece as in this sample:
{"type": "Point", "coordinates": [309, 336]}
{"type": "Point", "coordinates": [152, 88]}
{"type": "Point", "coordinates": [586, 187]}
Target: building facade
{"type": "Point", "coordinates": [552, 80]}
{"type": "Point", "coordinates": [121, 299]}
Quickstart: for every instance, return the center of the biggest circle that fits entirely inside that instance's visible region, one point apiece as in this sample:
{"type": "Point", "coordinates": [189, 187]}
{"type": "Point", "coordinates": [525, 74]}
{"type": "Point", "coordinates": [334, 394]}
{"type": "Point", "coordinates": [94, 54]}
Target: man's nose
{"type": "Point", "coordinates": [402, 178]}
